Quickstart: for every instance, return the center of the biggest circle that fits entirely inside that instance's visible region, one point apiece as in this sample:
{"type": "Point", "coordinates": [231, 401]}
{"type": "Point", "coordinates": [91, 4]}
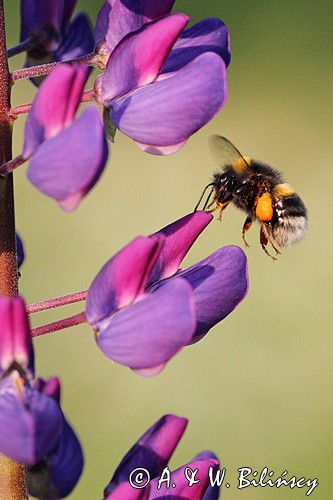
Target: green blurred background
{"type": "Point", "coordinates": [257, 390]}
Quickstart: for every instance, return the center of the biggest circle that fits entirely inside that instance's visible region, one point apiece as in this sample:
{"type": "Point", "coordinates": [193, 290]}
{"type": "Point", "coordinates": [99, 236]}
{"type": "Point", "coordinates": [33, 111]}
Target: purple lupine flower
{"type": "Point", "coordinates": [67, 155]}
{"type": "Point", "coordinates": [152, 452]}
{"type": "Point", "coordinates": [162, 83]}
{"type": "Point", "coordinates": [212, 492]}
{"type": "Point", "coordinates": [119, 18]}
{"type": "Point", "coordinates": [37, 432]}
{"type": "Point", "coordinates": [144, 309]}
{"type": "Point", "coordinates": [52, 36]}
{"type": "Point", "coordinates": [32, 420]}
{"type": "Point", "coordinates": [57, 472]}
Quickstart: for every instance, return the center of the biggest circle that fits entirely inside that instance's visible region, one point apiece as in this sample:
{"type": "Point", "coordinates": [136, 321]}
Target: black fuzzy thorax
{"type": "Point", "coordinates": [244, 188]}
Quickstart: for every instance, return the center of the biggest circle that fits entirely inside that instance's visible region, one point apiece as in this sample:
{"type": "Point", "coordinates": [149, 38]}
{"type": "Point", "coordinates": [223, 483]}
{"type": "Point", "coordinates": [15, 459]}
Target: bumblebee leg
{"type": "Point", "coordinates": [264, 242]}
{"type": "Point", "coordinates": [246, 227]}
{"type": "Point", "coordinates": [218, 204]}
{"type": "Point", "coordinates": [210, 210]}
{"type": "Point", "coordinates": [222, 206]}
{"type": "Point", "coordinates": [268, 233]}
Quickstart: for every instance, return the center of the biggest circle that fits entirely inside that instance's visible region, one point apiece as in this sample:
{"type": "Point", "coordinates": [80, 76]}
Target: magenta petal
{"type": "Point", "coordinates": [15, 335]}
{"type": "Point", "coordinates": [168, 111]}
{"type": "Point", "coordinates": [152, 451]}
{"type": "Point", "coordinates": [137, 60]}
{"type": "Point", "coordinates": [122, 279]}
{"type": "Point", "coordinates": [126, 491]}
{"type": "Point", "coordinates": [118, 18]}
{"type": "Point", "coordinates": [212, 492]}
{"type": "Point", "coordinates": [151, 331]}
{"type": "Point", "coordinates": [180, 236]}
{"type": "Point", "coordinates": [208, 35]}
{"type": "Point", "coordinates": [219, 284]}
{"type": "Point", "coordinates": [54, 106]}
{"type": "Point", "coordinates": [67, 166]}
{"type": "Point", "coordinates": [183, 490]}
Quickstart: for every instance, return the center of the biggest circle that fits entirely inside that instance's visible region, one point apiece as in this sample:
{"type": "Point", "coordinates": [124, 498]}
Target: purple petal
{"type": "Point", "coordinates": [67, 166]}
{"type": "Point", "coordinates": [118, 18]}
{"type": "Point", "coordinates": [78, 41]}
{"type": "Point", "coordinates": [168, 111]}
{"type": "Point", "coordinates": [54, 106]}
{"type": "Point", "coordinates": [152, 451]}
{"type": "Point", "coordinates": [60, 470]}
{"type": "Point", "coordinates": [219, 283]}
{"type": "Point", "coordinates": [137, 60]}
{"type": "Point", "coordinates": [183, 490]}
{"type": "Point", "coordinates": [66, 462]}
{"type": "Point", "coordinates": [38, 16]}
{"type": "Point", "coordinates": [150, 332]}
{"type": "Point", "coordinates": [68, 9]}
{"type": "Point", "coordinates": [151, 372]}
{"type": "Point", "coordinates": [33, 422]}
{"type": "Point", "coordinates": [208, 35]}
{"type": "Point", "coordinates": [122, 279]}
{"type": "Point", "coordinates": [180, 236]}
{"type": "Point", "coordinates": [19, 251]}
{"type": "Point", "coordinates": [15, 335]}
{"type": "Point", "coordinates": [161, 150]}
{"type": "Point", "coordinates": [212, 492]}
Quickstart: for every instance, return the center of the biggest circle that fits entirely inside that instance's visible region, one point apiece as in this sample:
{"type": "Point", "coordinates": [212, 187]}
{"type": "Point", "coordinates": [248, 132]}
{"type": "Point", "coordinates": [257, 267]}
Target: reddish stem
{"type": "Point", "coordinates": [87, 96]}
{"type": "Point", "coordinates": [46, 69]}
{"type": "Point", "coordinates": [77, 319]}
{"type": "Point", "coordinates": [11, 165]}
{"type": "Point", "coordinates": [13, 483]}
{"type": "Point", "coordinates": [20, 110]}
{"type": "Point", "coordinates": [56, 302]}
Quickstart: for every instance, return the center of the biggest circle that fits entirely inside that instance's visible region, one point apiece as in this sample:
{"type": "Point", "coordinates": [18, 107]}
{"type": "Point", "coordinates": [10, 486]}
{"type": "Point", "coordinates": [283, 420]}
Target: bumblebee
{"type": "Point", "coordinates": [261, 192]}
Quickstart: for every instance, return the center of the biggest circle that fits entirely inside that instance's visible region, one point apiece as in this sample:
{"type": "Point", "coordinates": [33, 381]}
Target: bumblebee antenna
{"type": "Point", "coordinates": [208, 198]}
{"type": "Point", "coordinates": [203, 194]}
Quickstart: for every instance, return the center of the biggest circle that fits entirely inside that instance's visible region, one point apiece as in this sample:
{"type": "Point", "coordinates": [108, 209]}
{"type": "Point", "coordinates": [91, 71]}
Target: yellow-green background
{"type": "Point", "coordinates": [258, 389]}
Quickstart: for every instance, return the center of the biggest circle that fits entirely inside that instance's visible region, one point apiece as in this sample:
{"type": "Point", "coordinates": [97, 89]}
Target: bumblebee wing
{"type": "Point", "coordinates": [225, 153]}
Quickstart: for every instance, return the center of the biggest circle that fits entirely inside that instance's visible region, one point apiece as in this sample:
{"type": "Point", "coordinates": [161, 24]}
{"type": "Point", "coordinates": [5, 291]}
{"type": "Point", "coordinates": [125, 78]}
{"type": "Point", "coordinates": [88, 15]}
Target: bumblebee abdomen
{"type": "Point", "coordinates": [291, 219]}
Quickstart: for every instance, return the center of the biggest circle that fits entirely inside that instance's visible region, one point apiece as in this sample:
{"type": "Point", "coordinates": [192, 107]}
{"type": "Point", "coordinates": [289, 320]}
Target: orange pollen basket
{"type": "Point", "coordinates": [264, 209]}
